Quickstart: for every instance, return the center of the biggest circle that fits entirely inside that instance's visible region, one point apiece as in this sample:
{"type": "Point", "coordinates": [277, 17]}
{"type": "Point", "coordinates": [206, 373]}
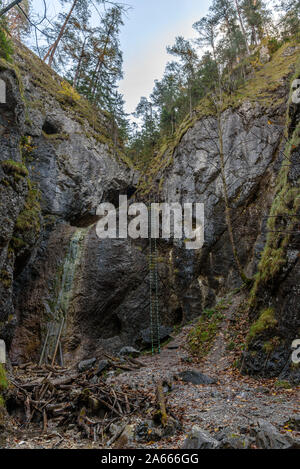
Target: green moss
{"type": "Point", "coordinates": [14, 168]}
{"type": "Point", "coordinates": [5, 279]}
{"type": "Point", "coordinates": [26, 148]}
{"type": "Point", "coordinates": [271, 344]}
{"type": "Point", "coordinates": [202, 336]}
{"type": "Point", "coordinates": [282, 384]}
{"type": "Point", "coordinates": [3, 379]}
{"type": "Point", "coordinates": [16, 244]}
{"type": "Point", "coordinates": [29, 218]}
{"type": "Point", "coordinates": [265, 321]}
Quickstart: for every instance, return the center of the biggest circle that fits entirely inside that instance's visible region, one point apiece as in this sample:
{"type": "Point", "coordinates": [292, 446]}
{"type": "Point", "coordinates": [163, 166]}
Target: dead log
{"type": "Point", "coordinates": [45, 421]}
{"type": "Point", "coordinates": [162, 404]}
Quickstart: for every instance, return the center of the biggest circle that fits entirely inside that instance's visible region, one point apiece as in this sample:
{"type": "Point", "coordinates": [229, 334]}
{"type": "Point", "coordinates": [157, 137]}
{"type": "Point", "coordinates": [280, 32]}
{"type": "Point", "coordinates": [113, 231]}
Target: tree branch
{"type": "Point", "coordinates": [9, 7]}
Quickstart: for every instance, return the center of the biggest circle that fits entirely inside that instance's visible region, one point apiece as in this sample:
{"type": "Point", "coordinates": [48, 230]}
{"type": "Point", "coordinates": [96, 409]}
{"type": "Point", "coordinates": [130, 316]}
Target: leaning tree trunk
{"type": "Point", "coordinates": [53, 48]}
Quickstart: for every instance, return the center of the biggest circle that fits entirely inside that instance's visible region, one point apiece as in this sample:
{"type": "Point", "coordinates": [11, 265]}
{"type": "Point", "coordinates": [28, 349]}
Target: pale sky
{"type": "Point", "coordinates": [150, 25]}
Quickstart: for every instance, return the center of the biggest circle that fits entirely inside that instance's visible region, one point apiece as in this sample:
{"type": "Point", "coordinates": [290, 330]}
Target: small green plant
{"type": "Point", "coordinates": [26, 147]}
{"type": "Point", "coordinates": [201, 337]}
{"type": "Point", "coordinates": [274, 45]}
{"type": "Point", "coordinates": [230, 346]}
{"type": "Point", "coordinates": [282, 384]}
{"type": "Point", "coordinates": [5, 279]}
{"type": "Point", "coordinates": [14, 168]}
{"type": "Point", "coordinates": [68, 93]}
{"type": "Point", "coordinates": [3, 379]}
{"type": "Point", "coordinates": [265, 321]}
{"type": "Point", "coordinates": [29, 218]}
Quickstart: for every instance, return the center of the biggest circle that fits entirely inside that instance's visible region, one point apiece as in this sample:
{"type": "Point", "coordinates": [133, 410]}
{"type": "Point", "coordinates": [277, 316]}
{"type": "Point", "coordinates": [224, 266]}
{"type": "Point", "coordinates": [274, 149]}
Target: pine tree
{"type": "Point", "coordinates": [257, 18]}
{"type": "Point", "coordinates": [290, 17]}
{"type": "Point", "coordinates": [188, 57]}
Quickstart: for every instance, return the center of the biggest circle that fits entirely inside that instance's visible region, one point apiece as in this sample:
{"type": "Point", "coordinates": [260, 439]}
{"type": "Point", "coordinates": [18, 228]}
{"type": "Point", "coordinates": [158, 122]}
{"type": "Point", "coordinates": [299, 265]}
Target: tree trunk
{"type": "Point", "coordinates": [79, 64]}
{"type": "Point", "coordinates": [52, 49]}
{"type": "Point", "coordinates": [191, 103]}
{"type": "Point", "coordinates": [242, 25]}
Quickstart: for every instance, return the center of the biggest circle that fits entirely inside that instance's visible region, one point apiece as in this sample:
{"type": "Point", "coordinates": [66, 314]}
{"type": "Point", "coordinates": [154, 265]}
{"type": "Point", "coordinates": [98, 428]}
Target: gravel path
{"type": "Point", "coordinates": [234, 401]}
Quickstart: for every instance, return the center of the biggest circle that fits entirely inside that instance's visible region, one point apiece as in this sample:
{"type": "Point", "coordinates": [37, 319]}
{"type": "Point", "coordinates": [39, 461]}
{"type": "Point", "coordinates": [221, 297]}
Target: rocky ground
{"type": "Point", "coordinates": [229, 410]}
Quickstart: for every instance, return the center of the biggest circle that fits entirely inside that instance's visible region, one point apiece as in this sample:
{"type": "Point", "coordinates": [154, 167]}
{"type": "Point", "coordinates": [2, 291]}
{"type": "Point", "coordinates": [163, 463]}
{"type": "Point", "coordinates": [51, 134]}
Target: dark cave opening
{"type": "Point", "coordinates": [178, 316]}
{"type": "Point", "coordinates": [49, 128]}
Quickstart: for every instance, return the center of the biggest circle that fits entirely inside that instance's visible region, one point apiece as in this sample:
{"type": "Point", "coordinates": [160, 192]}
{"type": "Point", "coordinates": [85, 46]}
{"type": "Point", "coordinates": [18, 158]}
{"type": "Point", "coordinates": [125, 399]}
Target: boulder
{"type": "Point", "coordinates": [149, 431]}
{"type": "Point", "coordinates": [164, 333]}
{"type": "Point", "coordinates": [86, 365]}
{"type": "Point", "coordinates": [101, 367]}
{"type": "Point", "coordinates": [126, 437]}
{"type": "Point", "coordinates": [264, 55]}
{"type": "Point", "coordinates": [232, 439]}
{"type": "Point", "coordinates": [294, 423]}
{"type": "Point", "coordinates": [200, 439]}
{"type": "Point", "coordinates": [268, 437]}
{"type": "Point", "coordinates": [129, 351]}
{"type": "Point", "coordinates": [195, 377]}
{"type": "Point", "coordinates": [146, 431]}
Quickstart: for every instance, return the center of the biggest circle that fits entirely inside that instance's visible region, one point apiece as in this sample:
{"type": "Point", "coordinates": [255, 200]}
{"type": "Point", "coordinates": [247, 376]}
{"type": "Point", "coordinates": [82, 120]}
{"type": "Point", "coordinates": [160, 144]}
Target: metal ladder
{"type": "Point", "coordinates": [153, 290]}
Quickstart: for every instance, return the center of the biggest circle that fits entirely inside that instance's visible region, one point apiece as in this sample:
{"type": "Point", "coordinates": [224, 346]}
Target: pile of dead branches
{"type": "Point", "coordinates": [65, 396]}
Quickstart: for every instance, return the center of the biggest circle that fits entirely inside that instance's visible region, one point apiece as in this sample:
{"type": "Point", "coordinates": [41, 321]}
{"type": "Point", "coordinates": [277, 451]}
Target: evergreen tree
{"type": "Point", "coordinates": [290, 17]}
{"type": "Point", "coordinates": [188, 57]}
{"type": "Point", "coordinates": [257, 17]}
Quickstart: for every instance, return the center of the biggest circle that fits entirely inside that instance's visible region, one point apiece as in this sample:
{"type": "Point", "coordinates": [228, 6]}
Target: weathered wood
{"type": "Point", "coordinates": [45, 421]}
{"type": "Point", "coordinates": [58, 341]}
{"type": "Point", "coordinates": [116, 436]}
{"type": "Point", "coordinates": [162, 404]}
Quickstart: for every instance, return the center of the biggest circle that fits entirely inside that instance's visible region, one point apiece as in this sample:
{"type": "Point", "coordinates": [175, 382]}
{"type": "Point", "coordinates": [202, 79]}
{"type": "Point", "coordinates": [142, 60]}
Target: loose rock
{"type": "Point", "coordinates": [196, 377]}
{"type": "Point", "coordinates": [200, 439]}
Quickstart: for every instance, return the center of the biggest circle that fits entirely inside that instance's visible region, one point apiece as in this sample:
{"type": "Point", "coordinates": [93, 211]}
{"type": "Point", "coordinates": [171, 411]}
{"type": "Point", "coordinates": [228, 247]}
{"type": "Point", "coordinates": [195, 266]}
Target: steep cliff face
{"type": "Point", "coordinates": [261, 175]}
{"type": "Point", "coordinates": [57, 164]}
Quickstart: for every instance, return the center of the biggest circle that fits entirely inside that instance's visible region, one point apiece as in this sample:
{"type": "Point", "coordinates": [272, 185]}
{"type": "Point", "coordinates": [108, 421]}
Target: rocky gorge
{"type": "Point", "coordinates": [59, 162]}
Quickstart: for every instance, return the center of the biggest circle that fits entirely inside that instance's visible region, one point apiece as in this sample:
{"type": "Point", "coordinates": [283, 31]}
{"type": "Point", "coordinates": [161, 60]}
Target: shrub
{"type": "Point", "coordinates": [68, 93]}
